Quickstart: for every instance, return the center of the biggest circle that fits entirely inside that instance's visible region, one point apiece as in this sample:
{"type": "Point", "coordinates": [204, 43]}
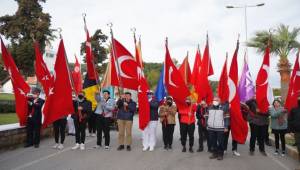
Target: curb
{"type": "Point", "coordinates": [290, 150]}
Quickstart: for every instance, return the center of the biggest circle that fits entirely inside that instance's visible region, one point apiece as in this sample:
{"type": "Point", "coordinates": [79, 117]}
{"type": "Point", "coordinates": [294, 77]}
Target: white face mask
{"type": "Point", "coordinates": [216, 103]}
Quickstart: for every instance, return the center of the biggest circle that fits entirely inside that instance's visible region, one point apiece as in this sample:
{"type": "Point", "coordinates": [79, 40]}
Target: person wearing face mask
{"type": "Point", "coordinates": [126, 109]}
{"type": "Point", "coordinates": [34, 119]}
{"type": "Point", "coordinates": [294, 125]}
{"type": "Point", "coordinates": [279, 125]}
{"type": "Point", "coordinates": [202, 131]}
{"type": "Point", "coordinates": [103, 116]}
{"type": "Point", "coordinates": [80, 119]}
{"type": "Point", "coordinates": [187, 124]}
{"type": "Point", "coordinates": [167, 114]}
{"type": "Point", "coordinates": [217, 123]}
{"type": "Point", "coordinates": [149, 133]}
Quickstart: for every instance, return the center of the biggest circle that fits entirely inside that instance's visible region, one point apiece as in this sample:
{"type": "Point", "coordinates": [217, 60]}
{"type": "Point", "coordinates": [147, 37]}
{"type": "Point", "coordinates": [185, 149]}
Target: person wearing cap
{"type": "Point", "coordinates": [167, 114]}
{"type": "Point", "coordinates": [217, 124]}
{"type": "Point", "coordinates": [294, 125]}
{"type": "Point", "coordinates": [187, 124]}
{"type": "Point", "coordinates": [34, 119]}
{"type": "Point", "coordinates": [149, 133]}
{"type": "Point", "coordinates": [103, 114]}
{"type": "Point", "coordinates": [84, 108]}
{"type": "Point", "coordinates": [126, 109]}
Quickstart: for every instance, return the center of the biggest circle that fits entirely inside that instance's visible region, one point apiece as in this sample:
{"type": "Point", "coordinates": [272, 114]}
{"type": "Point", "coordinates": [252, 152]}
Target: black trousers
{"type": "Point", "coordinates": [217, 140]}
{"type": "Point", "coordinates": [60, 130]}
{"type": "Point", "coordinates": [92, 123]}
{"type": "Point", "coordinates": [203, 135]}
{"type": "Point", "coordinates": [187, 130]}
{"type": "Point", "coordinates": [102, 124]}
{"type": "Point", "coordinates": [257, 133]}
{"type": "Point", "coordinates": [282, 140]}
{"type": "Point", "coordinates": [226, 137]}
{"type": "Point", "coordinates": [168, 131]}
{"type": "Point", "coordinates": [33, 131]}
{"type": "Point", "coordinates": [79, 130]}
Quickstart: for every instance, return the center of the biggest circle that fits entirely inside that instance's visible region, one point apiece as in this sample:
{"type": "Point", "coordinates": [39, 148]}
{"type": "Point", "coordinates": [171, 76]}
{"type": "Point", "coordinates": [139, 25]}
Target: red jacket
{"type": "Point", "coordinates": [184, 114]}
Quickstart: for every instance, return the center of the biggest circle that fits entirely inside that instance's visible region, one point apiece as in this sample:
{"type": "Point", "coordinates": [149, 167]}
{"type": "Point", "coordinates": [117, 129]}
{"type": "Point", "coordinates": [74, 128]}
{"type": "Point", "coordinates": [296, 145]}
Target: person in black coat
{"type": "Point", "coordinates": [294, 124]}
{"type": "Point", "coordinates": [202, 131]}
{"type": "Point", "coordinates": [34, 119]}
{"type": "Point", "coordinates": [80, 120]}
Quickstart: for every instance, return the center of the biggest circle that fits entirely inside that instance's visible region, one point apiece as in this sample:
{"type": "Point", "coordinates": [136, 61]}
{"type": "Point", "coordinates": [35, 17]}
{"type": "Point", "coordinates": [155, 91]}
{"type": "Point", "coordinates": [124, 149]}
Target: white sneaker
{"type": "Point", "coordinates": [60, 146]}
{"type": "Point", "coordinates": [225, 152]}
{"type": "Point", "coordinates": [276, 153]}
{"type": "Point", "coordinates": [93, 135]}
{"type": "Point", "coordinates": [76, 146]}
{"type": "Point", "coordinates": [82, 146]}
{"type": "Point", "coordinates": [151, 149]}
{"type": "Point", "coordinates": [235, 153]}
{"type": "Point", "coordinates": [106, 147]}
{"type": "Point", "coordinates": [145, 149]}
{"type": "Point", "coordinates": [55, 146]}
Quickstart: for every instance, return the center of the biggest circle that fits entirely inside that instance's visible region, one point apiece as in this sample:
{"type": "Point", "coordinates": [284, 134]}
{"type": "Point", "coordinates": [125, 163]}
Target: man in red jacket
{"type": "Point", "coordinates": [187, 124]}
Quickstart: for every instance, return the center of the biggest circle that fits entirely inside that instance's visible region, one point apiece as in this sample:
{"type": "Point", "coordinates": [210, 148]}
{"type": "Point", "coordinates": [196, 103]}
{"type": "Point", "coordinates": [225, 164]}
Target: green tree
{"type": "Point", "coordinates": [28, 21]}
{"type": "Point", "coordinates": [152, 73]}
{"type": "Point", "coordinates": [283, 42]}
{"type": "Point", "coordinates": [99, 50]}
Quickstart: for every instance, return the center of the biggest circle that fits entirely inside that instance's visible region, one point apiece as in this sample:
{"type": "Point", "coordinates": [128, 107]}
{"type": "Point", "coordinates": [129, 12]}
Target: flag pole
{"type": "Point", "coordinates": [67, 62]}
{"type": "Point", "coordinates": [120, 87]}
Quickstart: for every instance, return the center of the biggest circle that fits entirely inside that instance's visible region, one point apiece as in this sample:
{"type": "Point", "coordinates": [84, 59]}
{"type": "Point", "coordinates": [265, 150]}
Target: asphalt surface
{"type": "Point", "coordinates": [46, 158]}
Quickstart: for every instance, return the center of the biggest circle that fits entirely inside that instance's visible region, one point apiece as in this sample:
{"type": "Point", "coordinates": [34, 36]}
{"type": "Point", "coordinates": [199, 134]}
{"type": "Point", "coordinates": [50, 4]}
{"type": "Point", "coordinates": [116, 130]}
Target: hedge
{"type": "Point", "coordinates": [7, 106]}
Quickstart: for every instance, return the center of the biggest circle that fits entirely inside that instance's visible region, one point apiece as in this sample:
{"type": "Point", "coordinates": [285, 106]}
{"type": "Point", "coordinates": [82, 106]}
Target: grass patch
{"type": "Point", "coordinates": [7, 96]}
{"type": "Point", "coordinates": [8, 118]}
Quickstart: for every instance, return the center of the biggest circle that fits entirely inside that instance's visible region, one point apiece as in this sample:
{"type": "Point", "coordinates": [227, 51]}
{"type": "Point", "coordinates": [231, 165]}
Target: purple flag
{"type": "Point", "coordinates": [246, 88]}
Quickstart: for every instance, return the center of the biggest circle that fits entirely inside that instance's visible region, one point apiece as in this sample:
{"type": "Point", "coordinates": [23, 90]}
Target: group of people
{"type": "Point", "coordinates": [213, 121]}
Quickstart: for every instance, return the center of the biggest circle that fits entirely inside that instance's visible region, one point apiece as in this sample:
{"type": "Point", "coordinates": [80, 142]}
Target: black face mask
{"type": "Point", "coordinates": [188, 103]}
{"type": "Point", "coordinates": [169, 103]}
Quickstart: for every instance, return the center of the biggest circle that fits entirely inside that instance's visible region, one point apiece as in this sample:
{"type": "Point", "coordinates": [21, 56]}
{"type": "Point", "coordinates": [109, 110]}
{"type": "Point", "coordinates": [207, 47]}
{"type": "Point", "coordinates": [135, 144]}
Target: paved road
{"type": "Point", "coordinates": [46, 158]}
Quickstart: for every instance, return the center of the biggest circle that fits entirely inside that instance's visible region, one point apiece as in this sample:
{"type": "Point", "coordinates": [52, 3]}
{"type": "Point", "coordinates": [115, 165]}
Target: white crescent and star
{"type": "Point", "coordinates": [121, 59]}
{"type": "Point", "coordinates": [232, 89]}
{"type": "Point", "coordinates": [266, 68]}
{"type": "Point", "coordinates": [170, 77]}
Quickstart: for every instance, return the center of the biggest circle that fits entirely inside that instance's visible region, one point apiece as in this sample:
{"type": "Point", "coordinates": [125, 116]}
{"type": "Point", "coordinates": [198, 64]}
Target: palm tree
{"type": "Point", "coordinates": [283, 42]}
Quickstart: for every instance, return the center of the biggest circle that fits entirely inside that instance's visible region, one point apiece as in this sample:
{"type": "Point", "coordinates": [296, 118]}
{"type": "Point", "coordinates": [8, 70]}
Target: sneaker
{"type": "Point", "coordinates": [263, 153]}
{"type": "Point", "coordinates": [183, 149]}
{"type": "Point", "coordinates": [97, 147]}
{"type": "Point", "coordinates": [55, 146]}
{"type": "Point", "coordinates": [151, 149]}
{"type": "Point", "coordinates": [225, 152]}
{"type": "Point", "coordinates": [76, 146]}
{"type": "Point", "coordinates": [145, 149]}
{"type": "Point", "coordinates": [191, 150]}
{"type": "Point", "coordinates": [213, 156]}
{"type": "Point", "coordinates": [235, 153]}
{"type": "Point", "coordinates": [107, 148]}
{"type": "Point", "coordinates": [121, 147]}
{"type": "Point", "coordinates": [36, 146]}
{"type": "Point", "coordinates": [82, 147]}
{"type": "Point", "coordinates": [93, 135]}
{"type": "Point", "coordinates": [166, 147]}
{"type": "Point", "coordinates": [283, 153]}
{"type": "Point", "coordinates": [276, 152]}
{"type": "Point", "coordinates": [128, 148]}
{"type": "Point", "coordinates": [60, 146]}
{"type": "Point", "coordinates": [220, 158]}
{"type": "Point", "coordinates": [200, 150]}
{"type": "Point", "coordinates": [170, 147]}
{"type": "Point", "coordinates": [251, 153]}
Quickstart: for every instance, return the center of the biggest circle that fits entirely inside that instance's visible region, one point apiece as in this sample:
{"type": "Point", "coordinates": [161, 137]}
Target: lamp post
{"type": "Point", "coordinates": [245, 15]}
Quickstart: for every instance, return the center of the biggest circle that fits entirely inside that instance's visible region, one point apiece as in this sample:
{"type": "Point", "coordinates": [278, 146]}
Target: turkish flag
{"type": "Point", "coordinates": [174, 83]}
{"type": "Point", "coordinates": [123, 67]}
{"type": "Point", "coordinates": [76, 75]}
{"type": "Point", "coordinates": [196, 68]}
{"type": "Point", "coordinates": [42, 73]}
{"type": "Point", "coordinates": [294, 87]}
{"type": "Point", "coordinates": [185, 70]}
{"type": "Point", "coordinates": [239, 126]}
{"type": "Point", "coordinates": [21, 88]}
{"type": "Point", "coordinates": [262, 84]}
{"type": "Point", "coordinates": [223, 89]}
{"type": "Point", "coordinates": [202, 86]}
{"type": "Point", "coordinates": [143, 88]}
{"type": "Point", "coordinates": [59, 102]}
{"type": "Point", "coordinates": [91, 71]}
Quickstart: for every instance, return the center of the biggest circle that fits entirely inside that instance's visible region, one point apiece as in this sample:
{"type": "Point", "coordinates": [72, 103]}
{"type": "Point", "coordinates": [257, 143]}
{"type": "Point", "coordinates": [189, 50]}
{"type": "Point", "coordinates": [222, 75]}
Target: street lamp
{"type": "Point", "coordinates": [245, 9]}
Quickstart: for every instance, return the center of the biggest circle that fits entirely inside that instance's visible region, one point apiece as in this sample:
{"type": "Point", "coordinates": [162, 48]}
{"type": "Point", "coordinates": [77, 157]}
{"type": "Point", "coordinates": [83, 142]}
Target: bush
{"type": "Point", "coordinates": [7, 106]}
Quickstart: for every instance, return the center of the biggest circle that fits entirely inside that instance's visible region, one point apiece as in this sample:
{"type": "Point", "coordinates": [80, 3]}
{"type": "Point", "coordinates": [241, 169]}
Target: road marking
{"type": "Point", "coordinates": [46, 157]}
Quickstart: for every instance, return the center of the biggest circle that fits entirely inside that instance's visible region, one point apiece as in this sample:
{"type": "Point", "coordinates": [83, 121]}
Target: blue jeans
{"type": "Point", "coordinates": [216, 138]}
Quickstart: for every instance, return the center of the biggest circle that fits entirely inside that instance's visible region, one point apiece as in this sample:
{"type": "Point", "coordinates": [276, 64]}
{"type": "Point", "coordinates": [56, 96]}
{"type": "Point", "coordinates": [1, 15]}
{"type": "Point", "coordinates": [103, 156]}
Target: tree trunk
{"type": "Point", "coordinates": [284, 69]}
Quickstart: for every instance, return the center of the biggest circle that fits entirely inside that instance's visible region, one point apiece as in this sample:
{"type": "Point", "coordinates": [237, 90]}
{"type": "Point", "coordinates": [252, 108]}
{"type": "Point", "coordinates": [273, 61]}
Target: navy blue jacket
{"type": "Point", "coordinates": [36, 116]}
{"type": "Point", "coordinates": [154, 104]}
{"type": "Point", "coordinates": [129, 112]}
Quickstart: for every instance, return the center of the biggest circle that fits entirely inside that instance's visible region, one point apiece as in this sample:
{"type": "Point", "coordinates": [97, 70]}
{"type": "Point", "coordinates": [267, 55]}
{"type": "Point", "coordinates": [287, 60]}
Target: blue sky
{"type": "Point", "coordinates": [184, 22]}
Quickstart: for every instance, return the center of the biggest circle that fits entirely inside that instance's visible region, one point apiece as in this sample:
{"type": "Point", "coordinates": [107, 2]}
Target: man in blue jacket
{"type": "Point", "coordinates": [126, 109]}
